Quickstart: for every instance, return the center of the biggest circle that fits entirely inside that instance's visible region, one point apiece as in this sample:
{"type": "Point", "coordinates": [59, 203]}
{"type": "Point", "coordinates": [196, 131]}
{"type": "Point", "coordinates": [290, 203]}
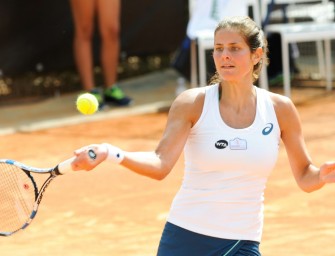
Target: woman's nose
{"type": "Point", "coordinates": [225, 54]}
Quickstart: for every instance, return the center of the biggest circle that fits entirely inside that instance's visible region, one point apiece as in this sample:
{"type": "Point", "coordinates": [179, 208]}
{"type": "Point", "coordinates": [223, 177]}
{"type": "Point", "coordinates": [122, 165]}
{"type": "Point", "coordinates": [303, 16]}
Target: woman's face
{"type": "Point", "coordinates": [232, 57]}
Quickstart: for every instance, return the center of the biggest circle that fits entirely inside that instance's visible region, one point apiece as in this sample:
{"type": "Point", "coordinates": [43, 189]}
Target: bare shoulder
{"type": "Point", "coordinates": [189, 104]}
{"type": "Point", "coordinates": [281, 102]}
{"type": "Point", "coordinates": [285, 109]}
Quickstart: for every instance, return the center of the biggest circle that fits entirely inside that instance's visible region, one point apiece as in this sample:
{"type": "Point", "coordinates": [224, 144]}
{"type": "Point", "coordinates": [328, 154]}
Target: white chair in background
{"type": "Point", "coordinates": [321, 29]}
{"type": "Point", "coordinates": [201, 31]}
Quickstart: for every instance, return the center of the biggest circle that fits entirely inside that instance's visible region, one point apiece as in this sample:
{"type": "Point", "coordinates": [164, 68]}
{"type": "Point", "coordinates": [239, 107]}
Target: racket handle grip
{"type": "Point", "coordinates": [65, 166]}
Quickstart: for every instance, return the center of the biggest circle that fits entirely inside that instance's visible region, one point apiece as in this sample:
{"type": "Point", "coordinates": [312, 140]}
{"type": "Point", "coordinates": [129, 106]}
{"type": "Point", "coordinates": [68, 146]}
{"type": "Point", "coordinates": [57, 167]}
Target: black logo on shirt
{"type": "Point", "coordinates": [221, 144]}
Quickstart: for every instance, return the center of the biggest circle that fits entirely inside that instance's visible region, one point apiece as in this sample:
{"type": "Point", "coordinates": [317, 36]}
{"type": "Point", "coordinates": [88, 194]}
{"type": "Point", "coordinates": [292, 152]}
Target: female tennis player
{"type": "Point", "coordinates": [230, 133]}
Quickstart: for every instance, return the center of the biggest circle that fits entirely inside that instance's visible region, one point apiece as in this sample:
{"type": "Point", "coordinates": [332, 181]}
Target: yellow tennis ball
{"type": "Point", "coordinates": [87, 104]}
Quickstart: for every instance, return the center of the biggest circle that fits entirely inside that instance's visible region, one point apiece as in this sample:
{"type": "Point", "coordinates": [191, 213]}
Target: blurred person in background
{"type": "Point", "coordinates": [108, 18]}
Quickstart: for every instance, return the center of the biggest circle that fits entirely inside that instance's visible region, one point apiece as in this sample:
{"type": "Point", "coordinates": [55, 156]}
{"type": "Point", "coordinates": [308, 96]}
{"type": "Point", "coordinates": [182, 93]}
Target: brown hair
{"type": "Point", "coordinates": [253, 36]}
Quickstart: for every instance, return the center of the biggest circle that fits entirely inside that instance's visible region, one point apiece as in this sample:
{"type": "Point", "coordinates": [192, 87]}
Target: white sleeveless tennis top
{"type": "Point", "coordinates": [226, 170]}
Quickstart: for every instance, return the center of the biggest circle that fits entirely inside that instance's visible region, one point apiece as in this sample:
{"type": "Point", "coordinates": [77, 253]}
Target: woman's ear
{"type": "Point", "coordinates": [257, 55]}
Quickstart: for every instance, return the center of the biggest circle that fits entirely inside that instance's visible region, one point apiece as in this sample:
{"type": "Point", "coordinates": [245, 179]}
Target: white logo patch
{"type": "Point", "coordinates": [238, 144]}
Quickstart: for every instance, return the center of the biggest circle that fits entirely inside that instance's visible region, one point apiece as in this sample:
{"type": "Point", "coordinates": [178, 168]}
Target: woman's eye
{"type": "Point", "coordinates": [219, 49]}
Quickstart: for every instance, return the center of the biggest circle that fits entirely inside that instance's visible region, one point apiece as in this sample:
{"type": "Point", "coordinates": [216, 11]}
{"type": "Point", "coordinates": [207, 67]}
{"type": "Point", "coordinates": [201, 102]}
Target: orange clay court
{"type": "Point", "coordinates": [111, 211]}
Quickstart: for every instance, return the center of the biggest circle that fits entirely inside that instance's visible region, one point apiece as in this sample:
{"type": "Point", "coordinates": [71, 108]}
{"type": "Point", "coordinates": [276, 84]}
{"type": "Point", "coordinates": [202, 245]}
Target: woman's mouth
{"type": "Point", "coordinates": [227, 66]}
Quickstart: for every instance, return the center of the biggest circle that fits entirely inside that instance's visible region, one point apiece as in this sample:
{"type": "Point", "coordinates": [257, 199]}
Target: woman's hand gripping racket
{"type": "Point", "coordinates": [21, 191]}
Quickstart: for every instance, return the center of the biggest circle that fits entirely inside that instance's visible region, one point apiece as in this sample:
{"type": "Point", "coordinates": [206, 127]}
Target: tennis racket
{"type": "Point", "coordinates": [21, 191]}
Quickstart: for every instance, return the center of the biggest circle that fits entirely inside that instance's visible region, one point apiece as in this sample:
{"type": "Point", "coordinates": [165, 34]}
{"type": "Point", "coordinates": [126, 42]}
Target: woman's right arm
{"type": "Point", "coordinates": [156, 164]}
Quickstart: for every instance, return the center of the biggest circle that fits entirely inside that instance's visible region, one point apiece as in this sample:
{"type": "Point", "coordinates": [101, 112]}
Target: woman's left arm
{"type": "Point", "coordinates": [308, 177]}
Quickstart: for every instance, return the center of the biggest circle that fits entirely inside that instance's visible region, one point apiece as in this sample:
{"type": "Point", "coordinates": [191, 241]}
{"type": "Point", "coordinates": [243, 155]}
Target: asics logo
{"type": "Point", "coordinates": [221, 144]}
{"type": "Point", "coordinates": [268, 129]}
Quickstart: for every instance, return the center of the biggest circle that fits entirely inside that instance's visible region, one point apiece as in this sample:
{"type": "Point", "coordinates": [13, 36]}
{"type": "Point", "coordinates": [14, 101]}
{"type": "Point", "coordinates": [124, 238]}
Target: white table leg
{"type": "Point", "coordinates": [202, 64]}
{"type": "Point", "coordinates": [194, 69]}
{"type": "Point", "coordinates": [321, 58]}
{"type": "Point", "coordinates": [286, 66]}
{"type": "Point", "coordinates": [329, 76]}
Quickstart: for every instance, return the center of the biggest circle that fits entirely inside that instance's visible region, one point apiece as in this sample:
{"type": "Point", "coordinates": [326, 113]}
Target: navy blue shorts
{"type": "Point", "coordinates": [177, 241]}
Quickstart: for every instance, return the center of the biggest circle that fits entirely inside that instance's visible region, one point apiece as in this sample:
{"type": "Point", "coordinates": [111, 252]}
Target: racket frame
{"type": "Point", "coordinates": [54, 172]}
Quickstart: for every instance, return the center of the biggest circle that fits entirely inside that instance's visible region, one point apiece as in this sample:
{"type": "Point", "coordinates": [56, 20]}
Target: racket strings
{"type": "Point", "coordinates": [19, 190]}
